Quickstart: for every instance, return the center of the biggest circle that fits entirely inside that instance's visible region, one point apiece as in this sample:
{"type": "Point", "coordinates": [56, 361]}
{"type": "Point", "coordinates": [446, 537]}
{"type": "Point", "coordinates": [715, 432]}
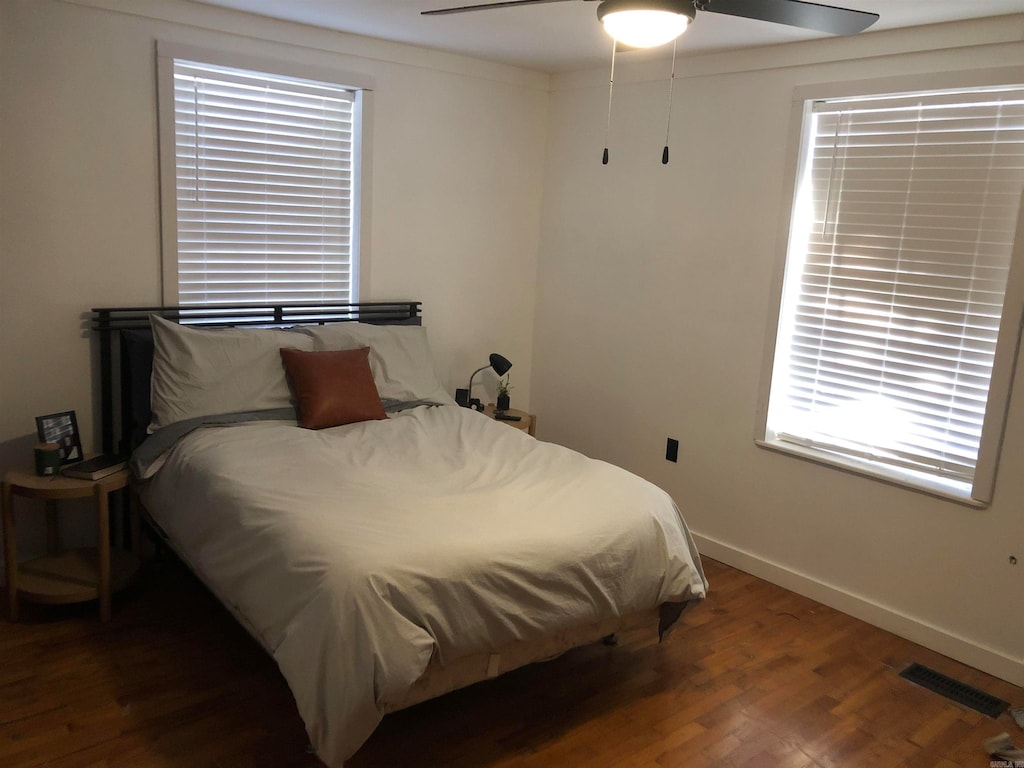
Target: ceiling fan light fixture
{"type": "Point", "coordinates": [645, 23]}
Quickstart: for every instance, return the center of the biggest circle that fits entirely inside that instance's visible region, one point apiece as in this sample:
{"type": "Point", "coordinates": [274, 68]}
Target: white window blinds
{"type": "Point", "coordinates": [266, 188]}
{"type": "Point", "coordinates": [899, 253]}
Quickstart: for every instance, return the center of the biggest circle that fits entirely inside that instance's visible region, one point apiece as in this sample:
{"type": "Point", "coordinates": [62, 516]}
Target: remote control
{"type": "Point", "coordinates": [507, 417]}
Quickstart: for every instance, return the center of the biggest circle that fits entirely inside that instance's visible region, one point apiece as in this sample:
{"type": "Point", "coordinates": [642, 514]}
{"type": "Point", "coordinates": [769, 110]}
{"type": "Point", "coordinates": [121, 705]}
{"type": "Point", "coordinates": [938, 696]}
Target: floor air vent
{"type": "Point", "coordinates": [955, 690]}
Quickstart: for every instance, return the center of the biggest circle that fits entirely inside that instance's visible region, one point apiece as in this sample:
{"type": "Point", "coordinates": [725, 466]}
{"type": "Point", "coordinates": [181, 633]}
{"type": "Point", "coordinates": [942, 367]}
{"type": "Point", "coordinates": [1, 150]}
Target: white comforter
{"type": "Point", "coordinates": [355, 554]}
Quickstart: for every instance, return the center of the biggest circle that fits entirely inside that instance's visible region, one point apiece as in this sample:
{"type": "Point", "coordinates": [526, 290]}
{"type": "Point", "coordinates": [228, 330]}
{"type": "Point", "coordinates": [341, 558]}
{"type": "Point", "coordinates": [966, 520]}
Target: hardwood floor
{"type": "Point", "coordinates": [755, 677]}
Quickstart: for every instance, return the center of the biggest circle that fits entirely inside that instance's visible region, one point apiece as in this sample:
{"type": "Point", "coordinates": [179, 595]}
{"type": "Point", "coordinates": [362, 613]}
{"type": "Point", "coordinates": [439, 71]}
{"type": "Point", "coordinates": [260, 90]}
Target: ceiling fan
{"type": "Point", "coordinates": [647, 23]}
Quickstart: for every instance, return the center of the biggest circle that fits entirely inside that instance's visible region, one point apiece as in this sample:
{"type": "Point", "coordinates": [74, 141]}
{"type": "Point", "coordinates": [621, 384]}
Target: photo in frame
{"type": "Point", "coordinates": [62, 429]}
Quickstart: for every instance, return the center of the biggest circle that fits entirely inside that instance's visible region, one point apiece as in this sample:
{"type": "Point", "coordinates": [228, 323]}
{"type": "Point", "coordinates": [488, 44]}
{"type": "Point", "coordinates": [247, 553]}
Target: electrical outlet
{"type": "Point", "coordinates": [672, 450]}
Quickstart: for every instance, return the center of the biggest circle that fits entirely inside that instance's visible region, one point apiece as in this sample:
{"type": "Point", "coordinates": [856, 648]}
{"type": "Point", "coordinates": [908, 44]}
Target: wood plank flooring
{"type": "Point", "coordinates": [755, 677]}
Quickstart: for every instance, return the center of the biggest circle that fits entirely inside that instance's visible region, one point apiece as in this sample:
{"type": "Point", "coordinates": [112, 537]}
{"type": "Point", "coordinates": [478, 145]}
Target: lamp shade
{"type": "Point", "coordinates": [499, 364]}
{"type": "Point", "coordinates": [645, 23]}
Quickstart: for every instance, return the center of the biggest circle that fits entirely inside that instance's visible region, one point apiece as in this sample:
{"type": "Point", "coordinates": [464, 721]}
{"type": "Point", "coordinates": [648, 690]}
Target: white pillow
{"type": "Point", "coordinates": [403, 368]}
{"type": "Point", "coordinates": [200, 372]}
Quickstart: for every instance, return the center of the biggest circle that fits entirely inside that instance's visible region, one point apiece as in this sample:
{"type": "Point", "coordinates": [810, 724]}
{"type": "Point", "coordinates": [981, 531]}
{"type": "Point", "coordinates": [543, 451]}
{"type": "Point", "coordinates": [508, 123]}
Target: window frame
{"type": "Point", "coordinates": [362, 85]}
{"type": "Point", "coordinates": [1010, 326]}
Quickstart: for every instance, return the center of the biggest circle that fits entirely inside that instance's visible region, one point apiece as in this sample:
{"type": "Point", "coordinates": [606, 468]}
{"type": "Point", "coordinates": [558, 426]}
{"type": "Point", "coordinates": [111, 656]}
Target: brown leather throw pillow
{"type": "Point", "coordinates": [333, 388]}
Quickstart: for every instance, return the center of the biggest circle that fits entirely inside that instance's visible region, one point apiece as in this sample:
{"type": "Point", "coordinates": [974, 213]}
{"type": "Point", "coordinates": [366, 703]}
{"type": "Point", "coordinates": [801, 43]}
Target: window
{"type": "Point", "coordinates": [260, 177]}
{"type": "Point", "coordinates": [891, 317]}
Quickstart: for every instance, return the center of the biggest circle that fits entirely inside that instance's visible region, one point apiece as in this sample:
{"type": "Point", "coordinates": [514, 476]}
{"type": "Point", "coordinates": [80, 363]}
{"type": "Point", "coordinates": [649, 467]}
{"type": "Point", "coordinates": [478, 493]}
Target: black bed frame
{"type": "Point", "coordinates": [109, 322]}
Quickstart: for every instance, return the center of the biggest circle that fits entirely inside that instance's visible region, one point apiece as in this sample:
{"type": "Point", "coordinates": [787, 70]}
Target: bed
{"type": "Point", "coordinates": [416, 548]}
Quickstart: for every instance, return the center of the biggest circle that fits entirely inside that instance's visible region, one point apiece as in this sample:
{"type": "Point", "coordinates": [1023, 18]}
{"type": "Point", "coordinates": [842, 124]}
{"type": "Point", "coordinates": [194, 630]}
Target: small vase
{"type": "Point", "coordinates": [502, 404]}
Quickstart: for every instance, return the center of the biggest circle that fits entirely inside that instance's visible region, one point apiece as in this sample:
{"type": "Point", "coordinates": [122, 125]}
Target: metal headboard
{"type": "Point", "coordinates": [109, 321]}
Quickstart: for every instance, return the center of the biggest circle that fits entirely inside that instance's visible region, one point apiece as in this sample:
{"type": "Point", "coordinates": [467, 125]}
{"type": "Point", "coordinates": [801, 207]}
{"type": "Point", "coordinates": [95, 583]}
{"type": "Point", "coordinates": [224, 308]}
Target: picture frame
{"type": "Point", "coordinates": [62, 429]}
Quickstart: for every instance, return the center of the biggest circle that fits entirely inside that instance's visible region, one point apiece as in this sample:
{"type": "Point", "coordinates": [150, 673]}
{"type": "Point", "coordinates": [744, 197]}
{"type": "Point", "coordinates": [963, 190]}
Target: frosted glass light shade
{"type": "Point", "coordinates": [644, 28]}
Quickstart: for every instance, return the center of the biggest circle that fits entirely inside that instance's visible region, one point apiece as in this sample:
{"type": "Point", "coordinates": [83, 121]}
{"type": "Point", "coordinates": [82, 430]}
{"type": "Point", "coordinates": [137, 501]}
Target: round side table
{"type": "Point", "coordinates": [527, 421]}
{"type": "Point", "coordinates": [70, 576]}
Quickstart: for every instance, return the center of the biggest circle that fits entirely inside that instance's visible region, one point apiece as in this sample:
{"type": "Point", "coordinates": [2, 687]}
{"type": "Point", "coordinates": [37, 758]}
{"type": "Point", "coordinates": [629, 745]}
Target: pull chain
{"type": "Point", "coordinates": [671, 83]}
{"type": "Point", "coordinates": [608, 126]}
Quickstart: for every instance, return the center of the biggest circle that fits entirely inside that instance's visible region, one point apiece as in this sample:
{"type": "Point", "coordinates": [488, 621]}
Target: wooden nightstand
{"type": "Point", "coordinates": [75, 575]}
{"type": "Point", "coordinates": [527, 421]}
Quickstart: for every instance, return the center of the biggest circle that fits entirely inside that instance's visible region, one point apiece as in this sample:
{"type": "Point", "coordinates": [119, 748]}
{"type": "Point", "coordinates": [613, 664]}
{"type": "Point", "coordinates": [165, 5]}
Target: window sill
{"type": "Point", "coordinates": [949, 490]}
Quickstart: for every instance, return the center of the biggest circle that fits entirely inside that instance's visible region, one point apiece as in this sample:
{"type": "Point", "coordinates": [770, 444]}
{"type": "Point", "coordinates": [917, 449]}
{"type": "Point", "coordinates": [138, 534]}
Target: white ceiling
{"type": "Point", "coordinates": [564, 36]}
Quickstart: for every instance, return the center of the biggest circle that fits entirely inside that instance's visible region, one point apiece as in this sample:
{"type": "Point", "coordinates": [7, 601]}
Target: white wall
{"type": "Point", "coordinates": [653, 299]}
{"type": "Point", "coordinates": [456, 186]}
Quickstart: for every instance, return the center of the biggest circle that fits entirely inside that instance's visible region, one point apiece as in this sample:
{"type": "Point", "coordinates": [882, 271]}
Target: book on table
{"type": "Point", "coordinates": [96, 467]}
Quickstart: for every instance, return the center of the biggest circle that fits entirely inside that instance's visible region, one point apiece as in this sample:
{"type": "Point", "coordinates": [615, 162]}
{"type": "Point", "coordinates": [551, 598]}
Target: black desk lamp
{"type": "Point", "coordinates": [500, 366]}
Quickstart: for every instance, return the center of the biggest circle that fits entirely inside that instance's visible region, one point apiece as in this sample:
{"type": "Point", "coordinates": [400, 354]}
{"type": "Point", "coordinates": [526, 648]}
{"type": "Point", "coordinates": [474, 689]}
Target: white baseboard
{"type": "Point", "coordinates": [978, 656]}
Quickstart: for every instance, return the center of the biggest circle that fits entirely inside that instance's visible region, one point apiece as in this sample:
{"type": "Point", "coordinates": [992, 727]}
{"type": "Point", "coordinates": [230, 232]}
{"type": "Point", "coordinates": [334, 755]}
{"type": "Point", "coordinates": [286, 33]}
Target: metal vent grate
{"type": "Point", "coordinates": [954, 690]}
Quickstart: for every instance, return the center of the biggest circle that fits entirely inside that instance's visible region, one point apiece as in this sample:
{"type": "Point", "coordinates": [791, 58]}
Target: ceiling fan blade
{"type": "Point", "coordinates": [795, 13]}
{"type": "Point", "coordinates": [485, 7]}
